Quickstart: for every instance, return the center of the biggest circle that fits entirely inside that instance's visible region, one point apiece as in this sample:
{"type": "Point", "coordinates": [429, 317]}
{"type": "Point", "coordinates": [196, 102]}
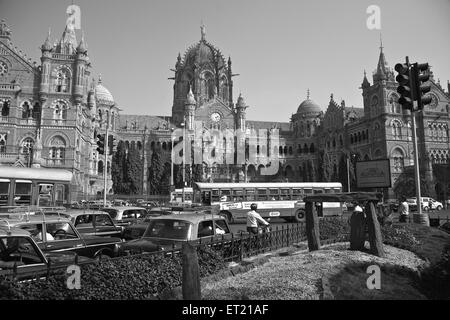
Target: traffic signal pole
{"type": "Point", "coordinates": [105, 174]}
{"type": "Point", "coordinates": [414, 138]}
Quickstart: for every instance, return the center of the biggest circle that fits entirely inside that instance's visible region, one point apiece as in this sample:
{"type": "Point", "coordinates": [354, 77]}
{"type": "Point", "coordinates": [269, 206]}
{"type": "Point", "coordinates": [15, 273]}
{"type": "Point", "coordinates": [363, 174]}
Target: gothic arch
{"type": "Point", "coordinates": [63, 135]}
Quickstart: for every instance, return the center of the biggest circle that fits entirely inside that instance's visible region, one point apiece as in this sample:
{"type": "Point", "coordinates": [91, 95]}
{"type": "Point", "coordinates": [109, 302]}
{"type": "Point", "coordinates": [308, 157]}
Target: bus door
{"type": "Point", "coordinates": [4, 192]}
{"type": "Point", "coordinates": [45, 195]}
{"type": "Point", "coordinates": [206, 197]}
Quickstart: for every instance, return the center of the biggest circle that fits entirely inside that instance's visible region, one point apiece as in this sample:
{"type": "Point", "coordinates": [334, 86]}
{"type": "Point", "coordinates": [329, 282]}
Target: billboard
{"type": "Point", "coordinates": [373, 174]}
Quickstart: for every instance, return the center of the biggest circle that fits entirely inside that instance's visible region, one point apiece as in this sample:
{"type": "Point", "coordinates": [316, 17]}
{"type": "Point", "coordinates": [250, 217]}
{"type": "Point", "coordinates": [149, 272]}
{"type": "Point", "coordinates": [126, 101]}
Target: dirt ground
{"type": "Point", "coordinates": [334, 272]}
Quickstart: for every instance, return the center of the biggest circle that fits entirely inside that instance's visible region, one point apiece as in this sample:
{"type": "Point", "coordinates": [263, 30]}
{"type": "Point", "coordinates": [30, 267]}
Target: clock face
{"type": "Point", "coordinates": [3, 68]}
{"type": "Point", "coordinates": [215, 117]}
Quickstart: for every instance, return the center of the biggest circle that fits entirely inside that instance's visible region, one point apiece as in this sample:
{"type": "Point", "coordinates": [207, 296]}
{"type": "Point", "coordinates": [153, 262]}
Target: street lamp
{"type": "Point", "coordinates": [171, 158]}
{"type": "Point", "coordinates": [183, 125]}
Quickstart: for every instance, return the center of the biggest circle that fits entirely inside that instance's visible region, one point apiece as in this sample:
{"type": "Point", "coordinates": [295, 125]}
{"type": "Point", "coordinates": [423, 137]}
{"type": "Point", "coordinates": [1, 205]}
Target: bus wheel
{"type": "Point", "coordinates": [227, 216]}
{"type": "Point", "coordinates": [299, 216]}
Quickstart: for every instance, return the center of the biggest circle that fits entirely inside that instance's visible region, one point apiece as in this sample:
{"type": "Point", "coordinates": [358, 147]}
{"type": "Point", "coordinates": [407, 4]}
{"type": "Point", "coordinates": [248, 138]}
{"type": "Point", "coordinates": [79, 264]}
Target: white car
{"type": "Point", "coordinates": [428, 203]}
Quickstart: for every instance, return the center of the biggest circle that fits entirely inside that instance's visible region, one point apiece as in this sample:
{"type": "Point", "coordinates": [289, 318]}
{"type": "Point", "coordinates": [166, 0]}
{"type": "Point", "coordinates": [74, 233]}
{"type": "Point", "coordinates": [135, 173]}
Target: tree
{"type": "Point", "coordinates": [406, 186]}
{"type": "Point", "coordinates": [134, 169]}
{"type": "Point", "coordinates": [155, 173]}
{"type": "Point", "coordinates": [118, 165]}
{"type": "Point", "coordinates": [342, 172]}
{"type": "Point", "coordinates": [197, 173]}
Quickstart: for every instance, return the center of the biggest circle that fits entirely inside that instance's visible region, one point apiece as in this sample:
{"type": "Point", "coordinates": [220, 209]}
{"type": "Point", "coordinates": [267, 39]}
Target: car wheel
{"type": "Point", "coordinates": [299, 216]}
{"type": "Point", "coordinates": [426, 208]}
{"type": "Point", "coordinates": [439, 208]}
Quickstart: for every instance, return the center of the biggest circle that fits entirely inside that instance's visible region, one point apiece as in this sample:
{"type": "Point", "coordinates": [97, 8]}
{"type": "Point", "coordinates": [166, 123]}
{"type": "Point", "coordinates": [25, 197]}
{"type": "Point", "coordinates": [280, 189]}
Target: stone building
{"type": "Point", "coordinates": [52, 112]}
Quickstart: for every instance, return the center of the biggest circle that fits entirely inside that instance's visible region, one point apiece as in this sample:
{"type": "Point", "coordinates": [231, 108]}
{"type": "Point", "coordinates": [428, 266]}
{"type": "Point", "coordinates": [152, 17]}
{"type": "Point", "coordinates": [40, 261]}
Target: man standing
{"type": "Point", "coordinates": [403, 209]}
{"type": "Point", "coordinates": [253, 218]}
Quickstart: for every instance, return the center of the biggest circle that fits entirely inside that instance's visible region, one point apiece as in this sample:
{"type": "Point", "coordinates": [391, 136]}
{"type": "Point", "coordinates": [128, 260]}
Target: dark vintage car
{"type": "Point", "coordinates": [94, 223]}
{"type": "Point", "coordinates": [170, 231]}
{"type": "Point", "coordinates": [137, 229]}
{"type": "Point", "coordinates": [20, 255]}
{"type": "Point", "coordinates": [55, 233]}
{"type": "Point", "coordinates": [125, 215]}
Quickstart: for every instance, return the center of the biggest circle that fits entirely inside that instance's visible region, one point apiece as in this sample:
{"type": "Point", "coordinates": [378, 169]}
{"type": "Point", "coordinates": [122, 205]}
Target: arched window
{"type": "Point", "coordinates": [57, 150]}
{"type": "Point", "coordinates": [299, 150]}
{"type": "Point", "coordinates": [27, 110]}
{"type": "Point", "coordinates": [285, 151]}
{"type": "Point", "coordinates": [312, 149]}
{"type": "Point", "coordinates": [100, 167]}
{"type": "Point", "coordinates": [60, 111]}
{"type": "Point", "coordinates": [36, 110]}
{"type": "Point", "coordinates": [398, 157]}
{"type": "Point", "coordinates": [27, 146]}
{"type": "Point", "coordinates": [290, 150]}
{"type": "Point", "coordinates": [62, 81]}
{"type": "Point", "coordinates": [4, 105]}
{"type": "Point", "coordinates": [3, 140]}
{"type": "Point", "coordinates": [280, 150]}
{"type": "Point", "coordinates": [305, 148]}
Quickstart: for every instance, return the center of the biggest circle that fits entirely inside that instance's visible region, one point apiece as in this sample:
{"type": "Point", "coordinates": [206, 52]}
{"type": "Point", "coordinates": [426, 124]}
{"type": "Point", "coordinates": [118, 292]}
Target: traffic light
{"type": "Point", "coordinates": [404, 89]}
{"type": "Point", "coordinates": [422, 76]}
{"type": "Point", "coordinates": [111, 143]}
{"type": "Point", "coordinates": [101, 143]}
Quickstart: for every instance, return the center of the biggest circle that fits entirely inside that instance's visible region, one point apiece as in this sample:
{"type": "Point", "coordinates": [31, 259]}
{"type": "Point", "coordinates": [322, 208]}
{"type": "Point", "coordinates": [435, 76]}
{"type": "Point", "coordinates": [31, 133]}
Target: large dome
{"type": "Point", "coordinates": [202, 52]}
{"type": "Point", "coordinates": [308, 106]}
{"type": "Point", "coordinates": [103, 95]}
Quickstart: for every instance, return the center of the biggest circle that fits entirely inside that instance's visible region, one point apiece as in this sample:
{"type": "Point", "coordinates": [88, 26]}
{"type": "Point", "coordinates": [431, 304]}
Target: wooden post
{"type": "Point", "coordinates": [357, 231]}
{"type": "Point", "coordinates": [375, 239]}
{"type": "Point", "coordinates": [191, 273]}
{"type": "Point", "coordinates": [312, 227]}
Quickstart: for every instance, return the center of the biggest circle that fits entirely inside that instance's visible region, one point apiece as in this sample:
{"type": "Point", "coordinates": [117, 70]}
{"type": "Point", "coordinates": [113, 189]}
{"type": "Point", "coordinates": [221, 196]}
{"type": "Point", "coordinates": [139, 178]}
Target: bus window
{"type": "Point", "coordinates": [328, 190]}
{"type": "Point", "coordinates": [22, 194]}
{"type": "Point", "coordinates": [238, 195]}
{"type": "Point", "coordinates": [318, 191]}
{"type": "Point", "coordinates": [215, 195]}
{"type": "Point", "coordinates": [262, 194]}
{"type": "Point", "coordinates": [273, 194]}
{"type": "Point", "coordinates": [297, 194]}
{"type": "Point", "coordinates": [45, 197]}
{"type": "Point", "coordinates": [206, 197]}
{"type": "Point", "coordinates": [250, 195]}
{"type": "Point", "coordinates": [285, 194]}
{"type": "Point", "coordinates": [337, 190]}
{"type": "Point", "coordinates": [4, 193]}
{"type": "Point", "coordinates": [308, 191]}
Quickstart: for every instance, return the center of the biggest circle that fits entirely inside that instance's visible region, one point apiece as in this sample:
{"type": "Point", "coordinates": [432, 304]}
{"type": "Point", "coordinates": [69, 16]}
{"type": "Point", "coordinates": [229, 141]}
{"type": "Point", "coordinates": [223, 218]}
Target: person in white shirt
{"type": "Point", "coordinates": [253, 218]}
{"type": "Point", "coordinates": [39, 237]}
{"type": "Point", "coordinates": [404, 210]}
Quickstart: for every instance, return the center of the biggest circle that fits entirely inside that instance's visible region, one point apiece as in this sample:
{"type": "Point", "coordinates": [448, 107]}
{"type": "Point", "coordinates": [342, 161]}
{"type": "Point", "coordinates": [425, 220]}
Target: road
{"type": "Point", "coordinates": [443, 215]}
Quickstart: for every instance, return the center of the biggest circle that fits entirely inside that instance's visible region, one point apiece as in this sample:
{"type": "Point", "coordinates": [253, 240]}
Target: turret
{"type": "Point", "coordinates": [46, 50]}
{"type": "Point", "coordinates": [365, 84]}
{"type": "Point", "coordinates": [240, 112]}
{"type": "Point", "coordinates": [80, 67]}
{"type": "Point", "coordinates": [189, 110]}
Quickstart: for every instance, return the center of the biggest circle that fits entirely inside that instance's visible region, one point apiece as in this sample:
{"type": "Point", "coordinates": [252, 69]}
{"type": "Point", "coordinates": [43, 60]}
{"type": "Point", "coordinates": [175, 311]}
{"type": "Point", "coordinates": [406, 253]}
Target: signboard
{"type": "Point", "coordinates": [373, 174]}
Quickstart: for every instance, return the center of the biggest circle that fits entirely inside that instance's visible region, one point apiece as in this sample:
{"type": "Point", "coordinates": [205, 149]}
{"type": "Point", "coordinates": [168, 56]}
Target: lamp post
{"type": "Point", "coordinates": [105, 176]}
{"type": "Point", "coordinates": [183, 125]}
{"type": "Point", "coordinates": [171, 159]}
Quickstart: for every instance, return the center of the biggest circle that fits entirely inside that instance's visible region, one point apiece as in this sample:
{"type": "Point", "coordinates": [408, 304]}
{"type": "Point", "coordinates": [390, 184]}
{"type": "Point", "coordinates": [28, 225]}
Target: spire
{"type": "Point", "coordinates": [365, 83]}
{"type": "Point", "coordinates": [47, 46]}
{"type": "Point", "coordinates": [99, 78]}
{"type": "Point", "coordinates": [307, 94]}
{"type": "Point", "coordinates": [383, 72]}
{"type": "Point", "coordinates": [5, 31]}
{"type": "Point", "coordinates": [203, 32]}
{"type": "Point", "coordinates": [190, 97]}
{"type": "Point", "coordinates": [381, 43]}
{"type": "Point", "coordinates": [82, 47]}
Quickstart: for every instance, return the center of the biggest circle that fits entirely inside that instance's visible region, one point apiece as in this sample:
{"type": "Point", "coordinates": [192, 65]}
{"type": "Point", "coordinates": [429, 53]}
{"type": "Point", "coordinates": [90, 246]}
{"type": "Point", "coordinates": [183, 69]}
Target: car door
{"type": "Point", "coordinates": [85, 224]}
{"type": "Point", "coordinates": [105, 227]}
{"type": "Point", "coordinates": [66, 238]}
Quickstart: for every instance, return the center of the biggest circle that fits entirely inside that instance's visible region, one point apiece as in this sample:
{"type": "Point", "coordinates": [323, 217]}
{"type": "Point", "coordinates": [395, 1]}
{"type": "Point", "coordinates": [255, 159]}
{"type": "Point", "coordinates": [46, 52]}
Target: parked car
{"type": "Point", "coordinates": [94, 223]}
{"type": "Point", "coordinates": [19, 251]}
{"type": "Point", "coordinates": [427, 204]}
{"type": "Point", "coordinates": [54, 233]}
{"type": "Point", "coordinates": [126, 215]}
{"type": "Point", "coordinates": [170, 231]}
{"type": "Point", "coordinates": [137, 229]}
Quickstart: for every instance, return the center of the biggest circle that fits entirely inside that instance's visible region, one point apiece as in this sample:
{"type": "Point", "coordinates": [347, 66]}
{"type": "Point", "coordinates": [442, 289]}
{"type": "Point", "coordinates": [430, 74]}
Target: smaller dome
{"type": "Point", "coordinates": [102, 94]}
{"type": "Point", "coordinates": [190, 98]}
{"type": "Point", "coordinates": [308, 106]}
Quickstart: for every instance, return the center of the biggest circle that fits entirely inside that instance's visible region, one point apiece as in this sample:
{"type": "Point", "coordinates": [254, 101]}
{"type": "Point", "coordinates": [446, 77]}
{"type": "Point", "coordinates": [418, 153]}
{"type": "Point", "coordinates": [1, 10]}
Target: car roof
{"type": "Point", "coordinates": [79, 212]}
{"type": "Point", "coordinates": [191, 217]}
{"type": "Point", "coordinates": [14, 232]}
{"type": "Point", "coordinates": [20, 219]}
{"type": "Point", "coordinates": [121, 208]}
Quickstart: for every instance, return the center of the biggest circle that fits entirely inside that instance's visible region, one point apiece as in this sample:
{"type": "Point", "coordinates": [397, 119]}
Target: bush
{"type": "Point", "coordinates": [333, 228]}
{"type": "Point", "coordinates": [398, 236]}
{"type": "Point", "coordinates": [435, 279]}
{"type": "Point", "coordinates": [140, 277]}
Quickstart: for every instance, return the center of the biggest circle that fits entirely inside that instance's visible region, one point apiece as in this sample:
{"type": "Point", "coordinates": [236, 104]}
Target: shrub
{"type": "Point", "coordinates": [398, 236]}
{"type": "Point", "coordinates": [139, 277]}
{"type": "Point", "coordinates": [333, 228]}
{"type": "Point", "coordinates": [435, 279]}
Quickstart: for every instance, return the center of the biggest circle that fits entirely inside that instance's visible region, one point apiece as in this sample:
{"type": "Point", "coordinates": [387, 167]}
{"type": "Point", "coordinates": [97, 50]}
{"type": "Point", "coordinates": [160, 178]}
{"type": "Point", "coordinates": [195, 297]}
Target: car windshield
{"type": "Point", "coordinates": [168, 229]}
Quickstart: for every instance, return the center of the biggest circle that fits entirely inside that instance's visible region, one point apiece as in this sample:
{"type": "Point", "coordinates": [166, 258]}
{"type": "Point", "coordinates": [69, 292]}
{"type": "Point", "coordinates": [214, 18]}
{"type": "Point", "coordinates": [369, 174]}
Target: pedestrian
{"type": "Point", "coordinates": [403, 209]}
{"type": "Point", "coordinates": [253, 218]}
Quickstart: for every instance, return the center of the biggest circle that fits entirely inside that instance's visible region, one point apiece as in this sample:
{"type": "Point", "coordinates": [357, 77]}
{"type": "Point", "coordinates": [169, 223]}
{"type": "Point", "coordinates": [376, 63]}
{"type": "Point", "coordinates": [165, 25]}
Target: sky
{"type": "Point", "coordinates": [279, 48]}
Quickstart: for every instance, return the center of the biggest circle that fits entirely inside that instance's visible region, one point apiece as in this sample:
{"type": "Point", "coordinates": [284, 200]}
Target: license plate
{"type": "Point", "coordinates": [274, 214]}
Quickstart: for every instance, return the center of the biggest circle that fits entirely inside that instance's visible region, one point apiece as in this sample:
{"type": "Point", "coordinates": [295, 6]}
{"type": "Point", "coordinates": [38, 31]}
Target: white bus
{"type": "Point", "coordinates": [274, 199]}
{"type": "Point", "coordinates": [34, 187]}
